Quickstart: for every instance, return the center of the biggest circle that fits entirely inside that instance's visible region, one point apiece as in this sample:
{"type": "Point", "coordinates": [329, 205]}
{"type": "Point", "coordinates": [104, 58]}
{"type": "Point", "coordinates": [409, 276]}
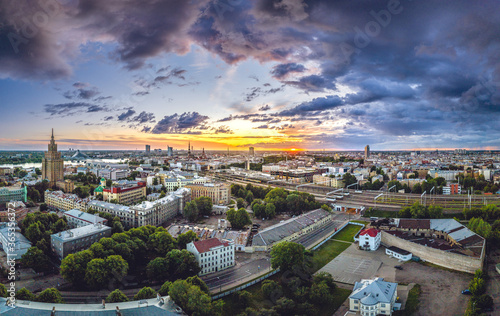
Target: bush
{"type": "Point", "coordinates": [25, 294]}
{"type": "Point", "coordinates": [116, 296]}
{"type": "Point", "coordinates": [50, 295]}
{"type": "Point", "coordinates": [165, 288]}
{"type": "Point", "coordinates": [145, 293]}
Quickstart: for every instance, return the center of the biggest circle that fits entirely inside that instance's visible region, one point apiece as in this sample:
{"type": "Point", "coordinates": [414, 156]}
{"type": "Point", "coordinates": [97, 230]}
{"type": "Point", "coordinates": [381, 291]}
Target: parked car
{"type": "Point", "coordinates": [398, 267]}
{"type": "Point", "coordinates": [466, 292]}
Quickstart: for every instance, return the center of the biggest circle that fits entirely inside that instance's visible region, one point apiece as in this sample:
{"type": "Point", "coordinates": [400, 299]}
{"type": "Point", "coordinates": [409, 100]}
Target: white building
{"type": "Point", "coordinates": [398, 253]}
{"type": "Point", "coordinates": [13, 243]}
{"type": "Point", "coordinates": [77, 218]}
{"type": "Point", "coordinates": [369, 239]}
{"type": "Point", "coordinates": [212, 254]}
{"type": "Point", "coordinates": [374, 297]}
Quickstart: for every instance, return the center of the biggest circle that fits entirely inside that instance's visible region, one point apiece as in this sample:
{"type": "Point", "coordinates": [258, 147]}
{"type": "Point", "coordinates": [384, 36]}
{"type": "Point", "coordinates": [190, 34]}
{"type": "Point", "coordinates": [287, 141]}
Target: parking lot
{"type": "Point", "coordinates": [353, 265]}
{"type": "Point", "coordinates": [440, 288]}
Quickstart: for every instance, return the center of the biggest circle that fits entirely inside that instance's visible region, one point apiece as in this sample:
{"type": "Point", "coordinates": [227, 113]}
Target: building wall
{"type": "Point", "coordinates": [13, 194]}
{"type": "Point", "coordinates": [216, 259]}
{"type": "Point", "coordinates": [442, 258]}
{"type": "Point", "coordinates": [62, 248]}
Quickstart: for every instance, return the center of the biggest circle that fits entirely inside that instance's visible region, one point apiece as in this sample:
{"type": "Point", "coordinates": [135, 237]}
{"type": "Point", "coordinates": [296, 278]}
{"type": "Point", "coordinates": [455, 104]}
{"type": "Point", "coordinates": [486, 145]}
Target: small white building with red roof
{"type": "Point", "coordinates": [369, 239]}
{"type": "Point", "coordinates": [212, 254]}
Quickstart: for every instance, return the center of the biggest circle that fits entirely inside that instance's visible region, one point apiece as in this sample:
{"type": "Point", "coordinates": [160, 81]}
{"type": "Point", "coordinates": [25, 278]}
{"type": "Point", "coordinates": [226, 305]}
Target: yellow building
{"type": "Point", "coordinates": [67, 185]}
{"type": "Point", "coordinates": [53, 164]}
{"type": "Point", "coordinates": [218, 192]}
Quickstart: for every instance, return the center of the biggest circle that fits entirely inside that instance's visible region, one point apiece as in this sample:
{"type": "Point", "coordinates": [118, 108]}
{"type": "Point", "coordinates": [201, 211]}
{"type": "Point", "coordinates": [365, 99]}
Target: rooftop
{"type": "Point", "coordinates": [375, 291]}
{"type": "Point", "coordinates": [205, 245]}
{"type": "Point", "coordinates": [84, 216]}
{"type": "Point", "coordinates": [79, 232]}
{"type": "Point", "coordinates": [150, 307]}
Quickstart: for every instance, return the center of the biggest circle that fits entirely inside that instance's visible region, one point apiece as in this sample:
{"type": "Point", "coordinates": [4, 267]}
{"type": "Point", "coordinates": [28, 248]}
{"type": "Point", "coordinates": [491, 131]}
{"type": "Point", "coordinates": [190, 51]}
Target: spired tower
{"type": "Point", "coordinates": [52, 164]}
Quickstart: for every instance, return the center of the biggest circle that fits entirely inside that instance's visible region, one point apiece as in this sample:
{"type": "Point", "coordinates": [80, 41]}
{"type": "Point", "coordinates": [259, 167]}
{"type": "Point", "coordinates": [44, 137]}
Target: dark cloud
{"type": "Point", "coordinates": [223, 130]}
{"type": "Point", "coordinates": [265, 108]}
{"type": "Point", "coordinates": [72, 108]}
{"type": "Point", "coordinates": [179, 124]}
{"type": "Point", "coordinates": [315, 105]}
{"type": "Point", "coordinates": [125, 115]}
{"type": "Point", "coordinates": [313, 83]}
{"type": "Point", "coordinates": [282, 70]}
{"type": "Point", "coordinates": [143, 117]}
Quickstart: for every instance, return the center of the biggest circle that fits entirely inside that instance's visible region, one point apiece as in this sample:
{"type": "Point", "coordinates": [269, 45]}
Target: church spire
{"type": "Point", "coordinates": [52, 133]}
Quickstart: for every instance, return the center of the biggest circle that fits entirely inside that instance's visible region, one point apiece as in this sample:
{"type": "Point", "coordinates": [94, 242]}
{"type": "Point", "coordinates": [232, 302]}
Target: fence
{"type": "Point", "coordinates": [244, 286]}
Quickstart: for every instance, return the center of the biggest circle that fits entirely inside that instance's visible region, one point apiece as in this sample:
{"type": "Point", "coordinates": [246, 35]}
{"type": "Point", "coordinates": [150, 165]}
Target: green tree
{"type": "Point", "coordinates": [191, 211]}
{"type": "Point", "coordinates": [249, 197]}
{"type": "Point", "coordinates": [50, 295]}
{"type": "Point", "coordinates": [435, 211]}
{"type": "Point", "coordinates": [161, 242]}
{"type": "Point", "coordinates": [3, 290]}
{"type": "Point", "coordinates": [195, 280]}
{"type": "Point", "coordinates": [182, 263]}
{"type": "Point", "coordinates": [34, 233]}
{"type": "Point", "coordinates": [205, 205]}
{"type": "Point", "coordinates": [158, 269]}
{"type": "Point", "coordinates": [326, 208]}
{"type": "Point", "coordinates": [240, 203]}
{"type": "Point", "coordinates": [185, 238]}
{"type": "Point", "coordinates": [117, 227]}
{"type": "Point", "coordinates": [165, 288]}
{"type": "Point", "coordinates": [348, 179]}
{"type": "Point", "coordinates": [270, 210]}
{"type": "Point", "coordinates": [244, 299]}
{"type": "Point", "coordinates": [271, 289]}
{"type": "Point", "coordinates": [479, 226]}
{"type": "Point", "coordinates": [25, 295]}
{"type": "Point", "coordinates": [286, 255]}
{"type": "Point", "coordinates": [484, 301]}
{"type": "Point", "coordinates": [191, 299]}
{"type": "Point", "coordinates": [117, 267]}
{"type": "Point", "coordinates": [155, 181]}
{"type": "Point", "coordinates": [238, 219]}
{"type": "Point", "coordinates": [74, 266]}
{"type": "Point", "coordinates": [116, 296]}
{"type": "Point", "coordinates": [477, 287]}
{"type": "Point", "coordinates": [96, 274]}
{"type": "Point", "coordinates": [145, 293]}
{"type": "Point", "coordinates": [109, 183]}
{"type": "Point", "coordinates": [36, 259]}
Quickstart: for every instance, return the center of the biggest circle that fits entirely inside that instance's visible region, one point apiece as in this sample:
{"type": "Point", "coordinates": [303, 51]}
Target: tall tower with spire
{"type": "Point", "coordinates": [52, 164]}
{"type": "Point", "coordinates": [189, 149]}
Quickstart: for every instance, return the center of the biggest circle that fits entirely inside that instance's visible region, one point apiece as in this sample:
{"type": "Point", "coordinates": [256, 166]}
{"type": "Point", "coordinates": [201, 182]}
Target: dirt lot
{"type": "Point", "coordinates": [493, 282]}
{"type": "Point", "coordinates": [440, 288]}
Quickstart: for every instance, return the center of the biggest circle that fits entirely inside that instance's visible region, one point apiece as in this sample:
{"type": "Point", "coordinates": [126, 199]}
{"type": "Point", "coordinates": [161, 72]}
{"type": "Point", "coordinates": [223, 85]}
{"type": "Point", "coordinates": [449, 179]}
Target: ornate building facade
{"type": "Point", "coordinates": [53, 164]}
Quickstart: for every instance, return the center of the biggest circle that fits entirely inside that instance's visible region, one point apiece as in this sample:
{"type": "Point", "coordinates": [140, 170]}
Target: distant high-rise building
{"type": "Point", "coordinates": [148, 148]}
{"type": "Point", "coordinates": [251, 151]}
{"type": "Point", "coordinates": [52, 164]}
{"type": "Point", "coordinates": [367, 151]}
{"type": "Point", "coordinates": [170, 151]}
{"type": "Point", "coordinates": [189, 149]}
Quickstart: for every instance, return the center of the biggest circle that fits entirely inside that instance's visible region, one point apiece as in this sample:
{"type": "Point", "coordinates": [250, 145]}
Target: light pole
{"type": "Point", "coordinates": [220, 285]}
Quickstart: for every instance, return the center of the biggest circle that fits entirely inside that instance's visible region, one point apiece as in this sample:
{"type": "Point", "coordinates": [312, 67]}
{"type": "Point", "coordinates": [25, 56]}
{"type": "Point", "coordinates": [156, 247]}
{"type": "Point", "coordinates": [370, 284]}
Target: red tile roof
{"type": "Point", "coordinates": [372, 232]}
{"type": "Point", "coordinates": [206, 245]}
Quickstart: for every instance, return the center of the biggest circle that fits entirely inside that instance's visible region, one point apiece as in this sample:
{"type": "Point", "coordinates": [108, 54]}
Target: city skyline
{"type": "Point", "coordinates": [273, 75]}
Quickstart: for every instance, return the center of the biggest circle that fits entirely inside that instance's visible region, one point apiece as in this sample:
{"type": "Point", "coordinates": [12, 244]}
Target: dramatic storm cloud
{"type": "Point", "coordinates": [363, 71]}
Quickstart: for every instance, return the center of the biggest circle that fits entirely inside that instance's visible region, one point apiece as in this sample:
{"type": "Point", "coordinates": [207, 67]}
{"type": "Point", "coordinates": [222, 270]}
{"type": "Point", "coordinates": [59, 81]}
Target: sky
{"type": "Point", "coordinates": [272, 74]}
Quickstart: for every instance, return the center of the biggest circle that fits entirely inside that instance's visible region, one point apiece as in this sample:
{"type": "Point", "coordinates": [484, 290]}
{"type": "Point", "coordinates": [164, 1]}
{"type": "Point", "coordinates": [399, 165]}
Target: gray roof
{"type": "Point", "coordinates": [279, 231]}
{"type": "Point", "coordinates": [453, 228]}
{"type": "Point", "coordinates": [148, 307]}
{"type": "Point", "coordinates": [109, 206]}
{"type": "Point", "coordinates": [375, 291]}
{"type": "Point", "coordinates": [84, 216]}
{"type": "Point", "coordinates": [79, 232]}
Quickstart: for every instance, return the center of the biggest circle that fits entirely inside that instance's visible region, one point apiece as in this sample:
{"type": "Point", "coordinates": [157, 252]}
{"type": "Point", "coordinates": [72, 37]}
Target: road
{"type": "Point", "coordinates": [243, 269]}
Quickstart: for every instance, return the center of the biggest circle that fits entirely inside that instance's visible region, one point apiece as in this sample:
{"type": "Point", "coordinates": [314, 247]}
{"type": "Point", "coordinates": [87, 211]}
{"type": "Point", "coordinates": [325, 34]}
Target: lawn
{"type": "Point", "coordinates": [327, 252]}
{"type": "Point", "coordinates": [347, 233]}
{"type": "Point", "coordinates": [411, 303]}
